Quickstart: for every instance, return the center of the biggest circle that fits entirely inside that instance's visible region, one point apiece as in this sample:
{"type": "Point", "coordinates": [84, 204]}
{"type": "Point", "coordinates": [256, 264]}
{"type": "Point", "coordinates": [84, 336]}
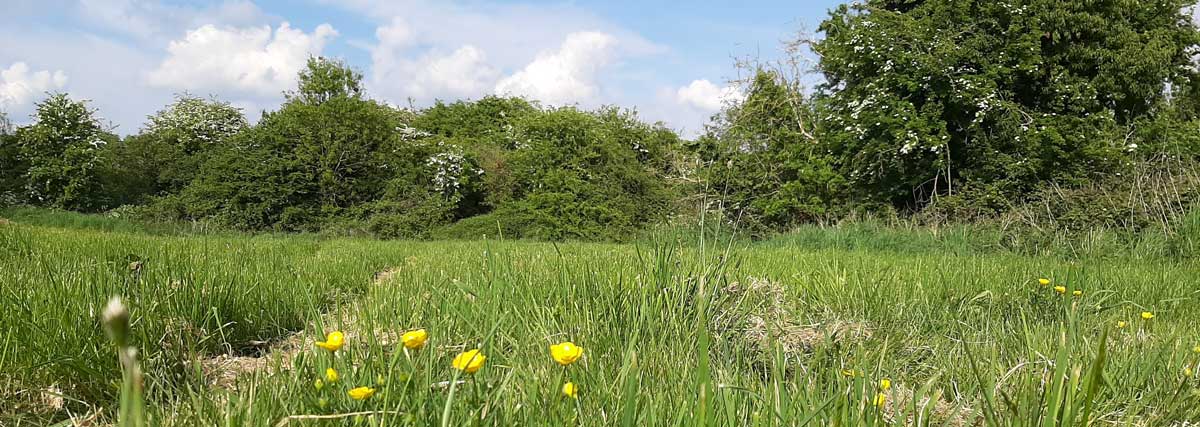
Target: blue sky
{"type": "Point", "coordinates": [670, 61]}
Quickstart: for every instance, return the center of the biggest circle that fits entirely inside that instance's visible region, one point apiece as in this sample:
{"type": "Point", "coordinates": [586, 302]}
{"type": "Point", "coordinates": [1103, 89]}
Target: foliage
{"type": "Point", "coordinates": [764, 165]}
{"type": "Point", "coordinates": [489, 120]}
{"type": "Point", "coordinates": [1032, 112]}
{"type": "Point", "coordinates": [330, 157]}
{"type": "Point", "coordinates": [61, 150]}
{"type": "Point", "coordinates": [607, 178]}
{"type": "Point", "coordinates": [325, 79]}
{"type": "Point", "coordinates": [12, 166]}
{"type": "Point", "coordinates": [327, 152]}
{"type": "Point", "coordinates": [925, 98]}
{"type": "Point", "coordinates": [194, 124]}
{"type": "Point", "coordinates": [474, 141]}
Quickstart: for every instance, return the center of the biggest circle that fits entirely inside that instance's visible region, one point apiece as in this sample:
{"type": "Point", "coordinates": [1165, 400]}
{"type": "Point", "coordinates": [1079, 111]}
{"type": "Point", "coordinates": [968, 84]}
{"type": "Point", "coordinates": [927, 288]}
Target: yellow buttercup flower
{"type": "Point", "coordinates": [414, 340]}
{"type": "Point", "coordinates": [331, 374]}
{"type": "Point", "coordinates": [333, 342]}
{"type": "Point", "coordinates": [1044, 282]}
{"type": "Point", "coordinates": [360, 393]}
{"type": "Point", "coordinates": [1196, 349]}
{"type": "Point", "coordinates": [1187, 371]}
{"type": "Point", "coordinates": [1077, 293]}
{"type": "Point", "coordinates": [880, 400]}
{"type": "Point", "coordinates": [1121, 324]}
{"type": "Point", "coordinates": [1146, 315]}
{"type": "Point", "coordinates": [566, 353]}
{"type": "Point", "coordinates": [885, 384]}
{"type": "Point", "coordinates": [469, 361]}
{"type": "Point", "coordinates": [1060, 289]}
{"type": "Point", "coordinates": [570, 390]}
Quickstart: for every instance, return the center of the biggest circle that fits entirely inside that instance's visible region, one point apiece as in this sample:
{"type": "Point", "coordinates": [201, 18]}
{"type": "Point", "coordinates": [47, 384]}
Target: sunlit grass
{"type": "Point", "coordinates": [796, 332]}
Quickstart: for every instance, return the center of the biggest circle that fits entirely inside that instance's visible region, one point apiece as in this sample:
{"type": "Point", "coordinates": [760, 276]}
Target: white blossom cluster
{"type": "Point", "coordinates": [449, 165]}
{"type": "Point", "coordinates": [198, 120]}
{"type": "Point", "coordinates": [411, 134]}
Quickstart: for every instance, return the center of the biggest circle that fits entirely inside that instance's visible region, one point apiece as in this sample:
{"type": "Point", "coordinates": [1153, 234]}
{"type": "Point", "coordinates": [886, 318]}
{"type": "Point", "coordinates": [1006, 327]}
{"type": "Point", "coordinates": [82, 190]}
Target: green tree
{"type": "Point", "coordinates": [178, 140]}
{"type": "Point", "coordinates": [489, 120]}
{"type": "Point", "coordinates": [929, 97]}
{"type": "Point", "coordinates": [61, 150]}
{"type": "Point", "coordinates": [324, 79]}
{"type": "Point", "coordinates": [764, 165]}
{"type": "Point", "coordinates": [472, 141]}
{"type": "Point", "coordinates": [322, 157]}
{"type": "Point", "coordinates": [12, 167]}
{"type": "Point", "coordinates": [586, 175]}
{"type": "Point", "coordinates": [195, 124]}
{"type": "Point", "coordinates": [139, 167]}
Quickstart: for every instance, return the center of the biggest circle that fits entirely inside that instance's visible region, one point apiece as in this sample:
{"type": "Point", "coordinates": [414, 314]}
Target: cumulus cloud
{"type": "Point", "coordinates": [427, 49]}
{"type": "Point", "coordinates": [567, 75]}
{"type": "Point", "coordinates": [252, 59]}
{"type": "Point", "coordinates": [706, 96]}
{"type": "Point", "coordinates": [464, 72]}
{"type": "Point", "coordinates": [19, 87]}
{"type": "Point", "coordinates": [153, 20]}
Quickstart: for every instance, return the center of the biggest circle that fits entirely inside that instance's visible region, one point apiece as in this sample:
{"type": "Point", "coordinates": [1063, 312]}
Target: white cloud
{"type": "Point", "coordinates": [567, 75]}
{"type": "Point", "coordinates": [152, 20]}
{"type": "Point", "coordinates": [252, 59]}
{"type": "Point", "coordinates": [427, 49]}
{"type": "Point", "coordinates": [706, 96]}
{"type": "Point", "coordinates": [464, 72]}
{"type": "Point", "coordinates": [19, 87]}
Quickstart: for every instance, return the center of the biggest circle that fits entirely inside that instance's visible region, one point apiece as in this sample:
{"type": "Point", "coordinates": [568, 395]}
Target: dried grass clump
{"type": "Point", "coordinates": [941, 412]}
{"type": "Point", "coordinates": [769, 321]}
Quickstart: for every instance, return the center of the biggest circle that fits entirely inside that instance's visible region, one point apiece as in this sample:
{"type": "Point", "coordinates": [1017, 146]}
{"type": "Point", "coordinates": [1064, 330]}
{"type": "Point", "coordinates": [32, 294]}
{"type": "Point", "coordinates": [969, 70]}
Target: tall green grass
{"type": "Point", "coordinates": [793, 331]}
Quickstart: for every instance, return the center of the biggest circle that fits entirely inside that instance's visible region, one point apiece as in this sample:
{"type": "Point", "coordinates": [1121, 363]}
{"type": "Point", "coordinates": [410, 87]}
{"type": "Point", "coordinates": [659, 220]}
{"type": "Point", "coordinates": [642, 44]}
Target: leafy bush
{"type": "Point", "coordinates": [607, 177]}
{"type": "Point", "coordinates": [60, 152]}
{"type": "Point", "coordinates": [927, 98]}
{"type": "Point", "coordinates": [764, 166]}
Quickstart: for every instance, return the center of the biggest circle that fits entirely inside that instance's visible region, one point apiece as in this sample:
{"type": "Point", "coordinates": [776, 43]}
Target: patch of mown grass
{"type": "Point", "coordinates": [795, 334]}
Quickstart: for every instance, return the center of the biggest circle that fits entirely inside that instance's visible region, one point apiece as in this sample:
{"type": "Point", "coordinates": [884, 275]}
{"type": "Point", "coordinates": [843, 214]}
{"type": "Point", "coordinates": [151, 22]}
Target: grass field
{"type": "Point", "coordinates": [676, 330]}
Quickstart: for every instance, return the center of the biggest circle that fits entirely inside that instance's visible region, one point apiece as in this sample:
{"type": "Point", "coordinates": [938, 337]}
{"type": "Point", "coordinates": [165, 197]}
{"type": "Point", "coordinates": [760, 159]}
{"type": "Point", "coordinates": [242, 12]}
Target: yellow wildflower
{"type": "Point", "coordinates": [1187, 371]}
{"type": "Point", "coordinates": [1121, 324]}
{"type": "Point", "coordinates": [1196, 349]}
{"type": "Point", "coordinates": [880, 400]}
{"type": "Point", "coordinates": [1060, 289]}
{"type": "Point", "coordinates": [1077, 293]}
{"type": "Point", "coordinates": [1146, 315]}
{"type": "Point", "coordinates": [566, 353]}
{"type": "Point", "coordinates": [333, 342]}
{"type": "Point", "coordinates": [469, 361]}
{"type": "Point", "coordinates": [1044, 282]}
{"type": "Point", "coordinates": [885, 384]}
{"type": "Point", "coordinates": [331, 374]}
{"type": "Point", "coordinates": [360, 393]}
{"type": "Point", "coordinates": [570, 390]}
{"type": "Point", "coordinates": [414, 340]}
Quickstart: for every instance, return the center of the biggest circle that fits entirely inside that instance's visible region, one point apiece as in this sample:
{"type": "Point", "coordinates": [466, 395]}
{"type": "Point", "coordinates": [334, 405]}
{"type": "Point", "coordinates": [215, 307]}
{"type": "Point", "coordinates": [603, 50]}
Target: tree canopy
{"type": "Point", "coordinates": [923, 96]}
{"type": "Point", "coordinates": [955, 108]}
